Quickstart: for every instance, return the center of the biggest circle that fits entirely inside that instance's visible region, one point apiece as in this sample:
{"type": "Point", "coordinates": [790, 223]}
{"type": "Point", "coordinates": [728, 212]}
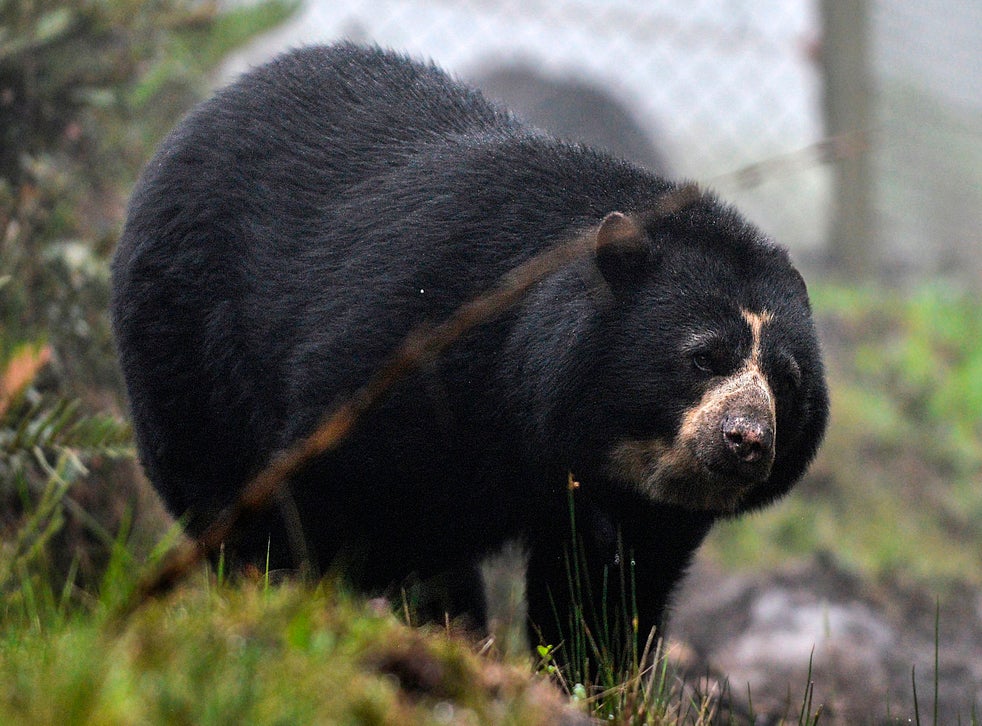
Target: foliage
{"type": "Point", "coordinates": [930, 362]}
{"type": "Point", "coordinates": [72, 137]}
{"type": "Point", "coordinates": [86, 90]}
{"type": "Point", "coordinates": [45, 445]}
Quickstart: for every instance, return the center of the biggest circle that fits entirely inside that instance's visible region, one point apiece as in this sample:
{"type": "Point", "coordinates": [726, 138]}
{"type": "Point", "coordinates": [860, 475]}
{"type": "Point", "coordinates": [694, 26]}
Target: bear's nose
{"type": "Point", "coordinates": [748, 439]}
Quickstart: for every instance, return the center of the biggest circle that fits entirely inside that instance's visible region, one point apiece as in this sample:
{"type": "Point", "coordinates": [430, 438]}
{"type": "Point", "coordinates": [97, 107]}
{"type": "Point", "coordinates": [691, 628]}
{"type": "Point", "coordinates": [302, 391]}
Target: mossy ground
{"type": "Point", "coordinates": [251, 654]}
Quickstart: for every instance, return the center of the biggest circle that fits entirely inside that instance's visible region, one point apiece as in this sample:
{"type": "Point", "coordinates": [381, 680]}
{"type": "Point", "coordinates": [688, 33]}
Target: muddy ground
{"type": "Point", "coordinates": [730, 631]}
{"type": "Point", "coordinates": [863, 641]}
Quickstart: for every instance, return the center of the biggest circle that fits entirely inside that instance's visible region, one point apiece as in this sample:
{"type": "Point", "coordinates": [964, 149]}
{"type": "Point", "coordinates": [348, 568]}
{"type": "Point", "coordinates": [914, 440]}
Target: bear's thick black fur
{"type": "Point", "coordinates": [292, 230]}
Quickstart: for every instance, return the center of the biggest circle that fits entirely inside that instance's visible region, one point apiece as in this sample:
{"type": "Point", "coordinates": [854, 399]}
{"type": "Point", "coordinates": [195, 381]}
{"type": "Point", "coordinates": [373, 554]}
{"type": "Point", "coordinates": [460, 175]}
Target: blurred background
{"type": "Point", "coordinates": [849, 130]}
{"type": "Point", "coordinates": [749, 97]}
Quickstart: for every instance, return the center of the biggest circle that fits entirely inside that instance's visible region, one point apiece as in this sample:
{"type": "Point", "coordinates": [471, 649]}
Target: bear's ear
{"type": "Point", "coordinates": [802, 286]}
{"type": "Point", "coordinates": [620, 248]}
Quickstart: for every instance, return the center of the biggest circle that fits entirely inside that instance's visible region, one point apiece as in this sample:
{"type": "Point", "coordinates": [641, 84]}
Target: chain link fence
{"type": "Point", "coordinates": [928, 160]}
{"type": "Point", "coordinates": [725, 92]}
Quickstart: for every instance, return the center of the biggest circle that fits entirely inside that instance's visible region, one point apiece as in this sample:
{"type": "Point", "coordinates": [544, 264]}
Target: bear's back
{"type": "Point", "coordinates": [301, 132]}
{"type": "Point", "coordinates": [211, 275]}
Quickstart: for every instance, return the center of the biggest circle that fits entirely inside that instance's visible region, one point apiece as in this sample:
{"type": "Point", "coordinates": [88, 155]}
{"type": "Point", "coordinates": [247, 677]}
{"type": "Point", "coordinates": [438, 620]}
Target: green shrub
{"type": "Point", "coordinates": [86, 90]}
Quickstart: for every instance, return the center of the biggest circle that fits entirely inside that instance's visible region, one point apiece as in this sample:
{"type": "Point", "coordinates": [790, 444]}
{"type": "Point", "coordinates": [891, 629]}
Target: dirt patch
{"type": "Point", "coordinates": [761, 630]}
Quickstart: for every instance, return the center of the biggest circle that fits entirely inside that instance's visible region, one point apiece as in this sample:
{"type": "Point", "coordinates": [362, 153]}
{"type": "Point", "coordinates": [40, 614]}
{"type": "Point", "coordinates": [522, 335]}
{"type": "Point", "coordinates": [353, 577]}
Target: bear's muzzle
{"type": "Point", "coordinates": [725, 446]}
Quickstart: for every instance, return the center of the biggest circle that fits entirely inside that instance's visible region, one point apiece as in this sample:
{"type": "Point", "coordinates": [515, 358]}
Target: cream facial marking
{"type": "Point", "coordinates": [669, 472]}
{"type": "Point", "coordinates": [682, 470]}
{"type": "Point", "coordinates": [756, 321]}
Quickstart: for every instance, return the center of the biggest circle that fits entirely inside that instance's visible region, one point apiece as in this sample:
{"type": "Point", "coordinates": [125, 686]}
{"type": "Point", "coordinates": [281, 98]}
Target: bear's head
{"type": "Point", "coordinates": [706, 386]}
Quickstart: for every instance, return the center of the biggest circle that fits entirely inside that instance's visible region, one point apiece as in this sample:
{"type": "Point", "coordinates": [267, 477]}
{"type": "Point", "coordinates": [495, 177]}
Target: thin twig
{"type": "Point", "coordinates": [840, 147]}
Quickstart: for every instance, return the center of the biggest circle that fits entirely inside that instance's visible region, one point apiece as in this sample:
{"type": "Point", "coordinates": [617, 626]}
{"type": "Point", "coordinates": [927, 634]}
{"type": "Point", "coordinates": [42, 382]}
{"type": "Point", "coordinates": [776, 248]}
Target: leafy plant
{"type": "Point", "coordinates": [46, 444]}
{"type": "Point", "coordinates": [72, 139]}
{"type": "Point", "coordinates": [73, 136]}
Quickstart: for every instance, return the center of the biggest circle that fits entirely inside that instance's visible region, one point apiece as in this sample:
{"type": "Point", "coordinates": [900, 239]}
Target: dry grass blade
{"type": "Point", "coordinates": [419, 347]}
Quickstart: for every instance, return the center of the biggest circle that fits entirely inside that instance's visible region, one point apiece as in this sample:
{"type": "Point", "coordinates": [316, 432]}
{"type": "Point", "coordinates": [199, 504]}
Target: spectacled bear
{"type": "Point", "coordinates": [293, 229]}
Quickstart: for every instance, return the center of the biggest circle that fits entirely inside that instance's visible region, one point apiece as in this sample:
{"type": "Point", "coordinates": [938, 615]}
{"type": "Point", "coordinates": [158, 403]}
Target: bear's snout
{"type": "Point", "coordinates": [732, 429]}
{"type": "Point", "coordinates": [725, 447]}
{"type": "Point", "coordinates": [749, 443]}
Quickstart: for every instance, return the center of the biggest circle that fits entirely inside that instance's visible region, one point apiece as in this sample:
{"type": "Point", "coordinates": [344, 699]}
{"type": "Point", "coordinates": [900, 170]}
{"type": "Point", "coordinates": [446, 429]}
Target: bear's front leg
{"type": "Point", "coordinates": [610, 591]}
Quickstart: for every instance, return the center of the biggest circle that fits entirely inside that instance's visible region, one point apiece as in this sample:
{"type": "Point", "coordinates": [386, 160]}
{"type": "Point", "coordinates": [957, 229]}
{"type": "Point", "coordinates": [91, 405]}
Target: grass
{"type": "Point", "coordinates": [609, 666]}
{"type": "Point", "coordinates": [247, 653]}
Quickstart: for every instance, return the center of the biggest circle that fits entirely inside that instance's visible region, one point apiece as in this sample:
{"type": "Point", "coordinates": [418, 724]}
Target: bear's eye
{"type": "Point", "coordinates": [710, 354]}
{"type": "Point", "coordinates": [710, 362]}
{"type": "Point", "coordinates": [703, 361]}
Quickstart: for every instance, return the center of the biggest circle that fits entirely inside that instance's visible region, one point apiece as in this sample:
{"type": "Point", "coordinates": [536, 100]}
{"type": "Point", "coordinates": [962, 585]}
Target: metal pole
{"type": "Point", "coordinates": [848, 120]}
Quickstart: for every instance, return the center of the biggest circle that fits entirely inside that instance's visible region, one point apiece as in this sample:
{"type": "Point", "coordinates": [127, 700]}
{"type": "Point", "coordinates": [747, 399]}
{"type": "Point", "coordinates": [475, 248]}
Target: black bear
{"type": "Point", "coordinates": [295, 227]}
